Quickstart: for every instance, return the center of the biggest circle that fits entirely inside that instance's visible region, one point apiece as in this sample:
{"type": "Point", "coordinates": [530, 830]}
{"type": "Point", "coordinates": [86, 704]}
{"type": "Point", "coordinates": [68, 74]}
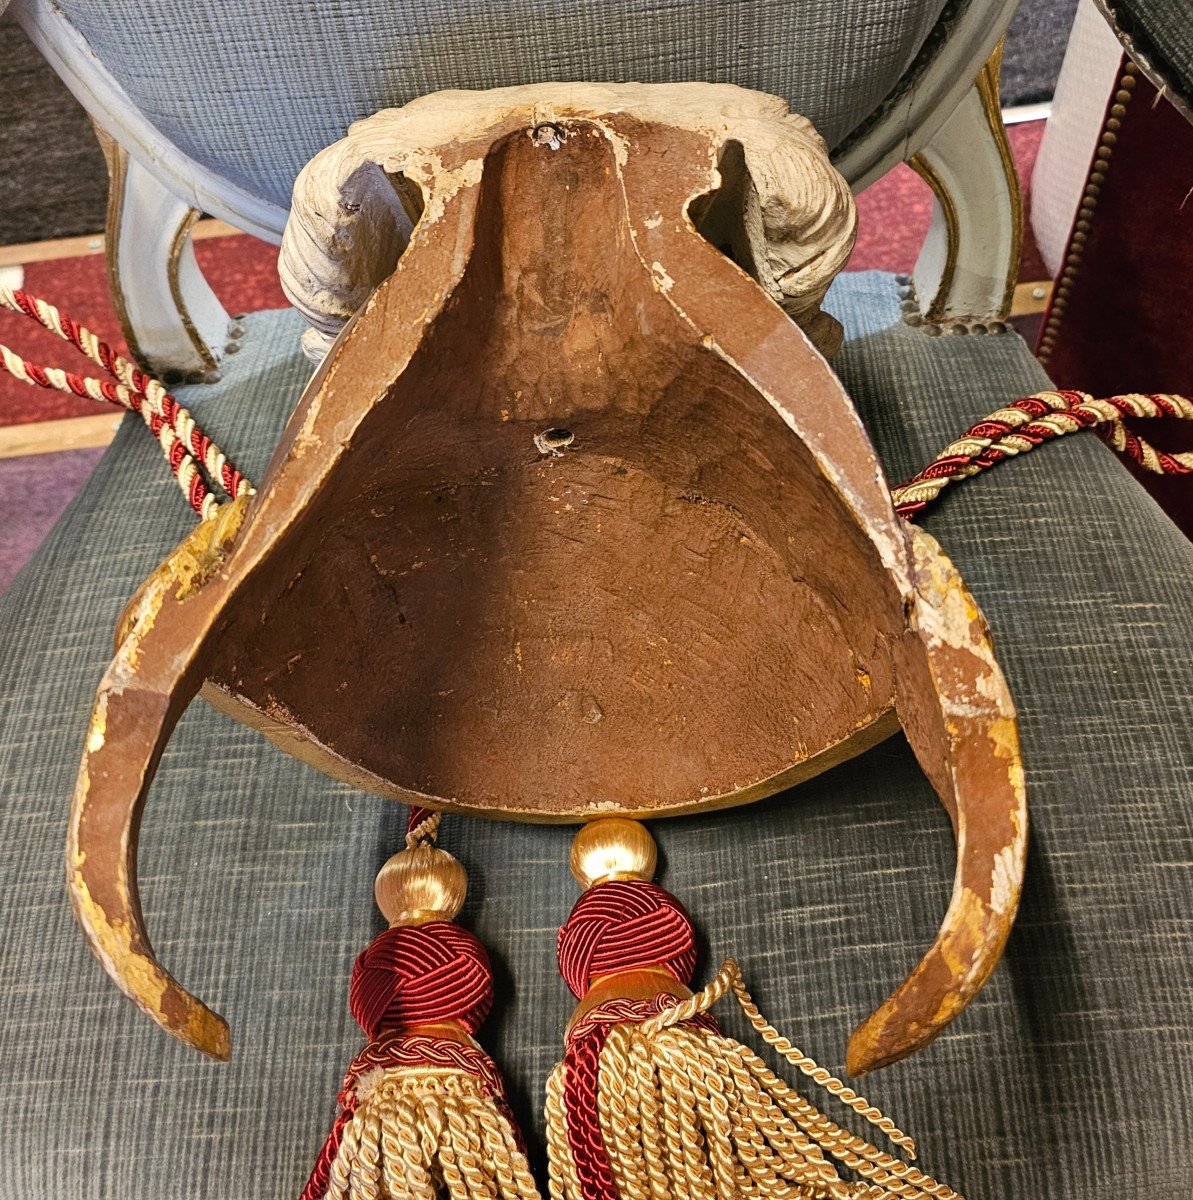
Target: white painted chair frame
{"type": "Point", "coordinates": [946, 124]}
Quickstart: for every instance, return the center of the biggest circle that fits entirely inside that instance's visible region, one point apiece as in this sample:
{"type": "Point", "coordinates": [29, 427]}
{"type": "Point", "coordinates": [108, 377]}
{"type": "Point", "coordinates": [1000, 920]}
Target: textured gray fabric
{"type": "Point", "coordinates": [1069, 1077]}
{"type": "Point", "coordinates": [1034, 49]}
{"type": "Point", "coordinates": [214, 77]}
{"type": "Point", "coordinates": [1158, 33]}
{"type": "Point", "coordinates": [54, 183]}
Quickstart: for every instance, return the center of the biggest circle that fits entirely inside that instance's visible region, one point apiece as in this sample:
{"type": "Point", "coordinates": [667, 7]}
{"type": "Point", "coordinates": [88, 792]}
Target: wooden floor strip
{"type": "Point", "coordinates": [1031, 298]}
{"type": "Point", "coordinates": [22, 253]}
{"type": "Point", "coordinates": [46, 437]}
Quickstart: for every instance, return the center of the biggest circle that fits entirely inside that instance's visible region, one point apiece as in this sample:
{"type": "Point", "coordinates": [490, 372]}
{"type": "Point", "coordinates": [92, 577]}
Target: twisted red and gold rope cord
{"type": "Point", "coordinates": [200, 465]}
{"type": "Point", "coordinates": [1025, 424]}
{"type": "Point", "coordinates": [197, 463]}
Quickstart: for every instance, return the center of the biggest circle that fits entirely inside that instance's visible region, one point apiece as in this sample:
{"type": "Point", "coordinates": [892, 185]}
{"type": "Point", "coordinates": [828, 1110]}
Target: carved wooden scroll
{"type": "Point", "coordinates": [573, 519]}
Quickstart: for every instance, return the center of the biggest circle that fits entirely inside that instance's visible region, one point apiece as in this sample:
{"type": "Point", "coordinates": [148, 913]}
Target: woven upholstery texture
{"type": "Point", "coordinates": [1070, 1076]}
{"type": "Point", "coordinates": [1161, 33]}
{"type": "Point", "coordinates": [214, 77]}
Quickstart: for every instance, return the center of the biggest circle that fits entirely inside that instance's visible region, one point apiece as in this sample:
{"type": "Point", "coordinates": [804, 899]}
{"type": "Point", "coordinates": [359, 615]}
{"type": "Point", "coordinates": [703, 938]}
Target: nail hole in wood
{"type": "Point", "coordinates": [552, 441]}
{"type": "Point", "coordinates": [548, 134]}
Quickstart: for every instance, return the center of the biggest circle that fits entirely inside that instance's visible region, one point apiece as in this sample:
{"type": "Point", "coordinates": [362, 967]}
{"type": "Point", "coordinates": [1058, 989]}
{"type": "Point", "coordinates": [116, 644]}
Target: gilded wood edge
{"type": "Point", "coordinates": [117, 159]}
{"type": "Point", "coordinates": [982, 767]}
{"type": "Point", "coordinates": [987, 87]}
{"type": "Point", "coordinates": [136, 705]}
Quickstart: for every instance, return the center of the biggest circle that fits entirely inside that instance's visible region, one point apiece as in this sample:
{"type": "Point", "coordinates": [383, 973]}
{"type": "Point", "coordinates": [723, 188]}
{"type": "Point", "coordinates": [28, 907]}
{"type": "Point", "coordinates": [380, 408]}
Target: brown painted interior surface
{"type": "Point", "coordinates": [672, 607]}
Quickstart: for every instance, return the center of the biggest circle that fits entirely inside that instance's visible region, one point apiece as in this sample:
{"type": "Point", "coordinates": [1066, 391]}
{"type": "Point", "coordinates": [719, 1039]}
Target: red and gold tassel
{"type": "Point", "coordinates": [423, 1112]}
{"type": "Point", "coordinates": [652, 1101]}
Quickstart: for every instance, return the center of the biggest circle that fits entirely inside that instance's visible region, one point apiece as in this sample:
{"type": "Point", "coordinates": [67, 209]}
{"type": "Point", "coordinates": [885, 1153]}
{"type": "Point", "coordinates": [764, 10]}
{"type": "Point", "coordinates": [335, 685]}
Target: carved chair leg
{"type": "Point", "coordinates": [967, 266]}
{"type": "Point", "coordinates": [174, 324]}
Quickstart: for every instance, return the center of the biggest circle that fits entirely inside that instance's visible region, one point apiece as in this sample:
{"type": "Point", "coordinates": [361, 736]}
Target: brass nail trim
{"type": "Point", "coordinates": [1078, 236]}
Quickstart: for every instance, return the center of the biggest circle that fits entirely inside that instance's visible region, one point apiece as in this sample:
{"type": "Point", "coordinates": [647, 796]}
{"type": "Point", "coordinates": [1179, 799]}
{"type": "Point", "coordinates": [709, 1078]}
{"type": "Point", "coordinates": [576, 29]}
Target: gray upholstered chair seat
{"type": "Point", "coordinates": [1068, 1077]}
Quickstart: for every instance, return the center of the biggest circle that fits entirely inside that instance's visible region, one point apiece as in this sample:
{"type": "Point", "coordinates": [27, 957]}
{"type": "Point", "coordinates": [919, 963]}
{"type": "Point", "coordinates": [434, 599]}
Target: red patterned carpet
{"type": "Point", "coordinates": [241, 270]}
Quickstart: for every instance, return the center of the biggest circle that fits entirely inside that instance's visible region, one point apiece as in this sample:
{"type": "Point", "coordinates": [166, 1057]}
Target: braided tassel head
{"type": "Point", "coordinates": [422, 1112]}
{"type": "Point", "coordinates": [652, 1101]}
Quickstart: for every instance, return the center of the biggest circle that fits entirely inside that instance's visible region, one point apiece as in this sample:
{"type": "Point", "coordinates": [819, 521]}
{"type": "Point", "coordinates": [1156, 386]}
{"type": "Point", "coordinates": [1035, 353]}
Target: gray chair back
{"type": "Point", "coordinates": [247, 92]}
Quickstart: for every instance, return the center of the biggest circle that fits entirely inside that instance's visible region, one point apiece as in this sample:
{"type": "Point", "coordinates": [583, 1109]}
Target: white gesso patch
{"type": "Point", "coordinates": [12, 277]}
{"type": "Point", "coordinates": [1003, 886]}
